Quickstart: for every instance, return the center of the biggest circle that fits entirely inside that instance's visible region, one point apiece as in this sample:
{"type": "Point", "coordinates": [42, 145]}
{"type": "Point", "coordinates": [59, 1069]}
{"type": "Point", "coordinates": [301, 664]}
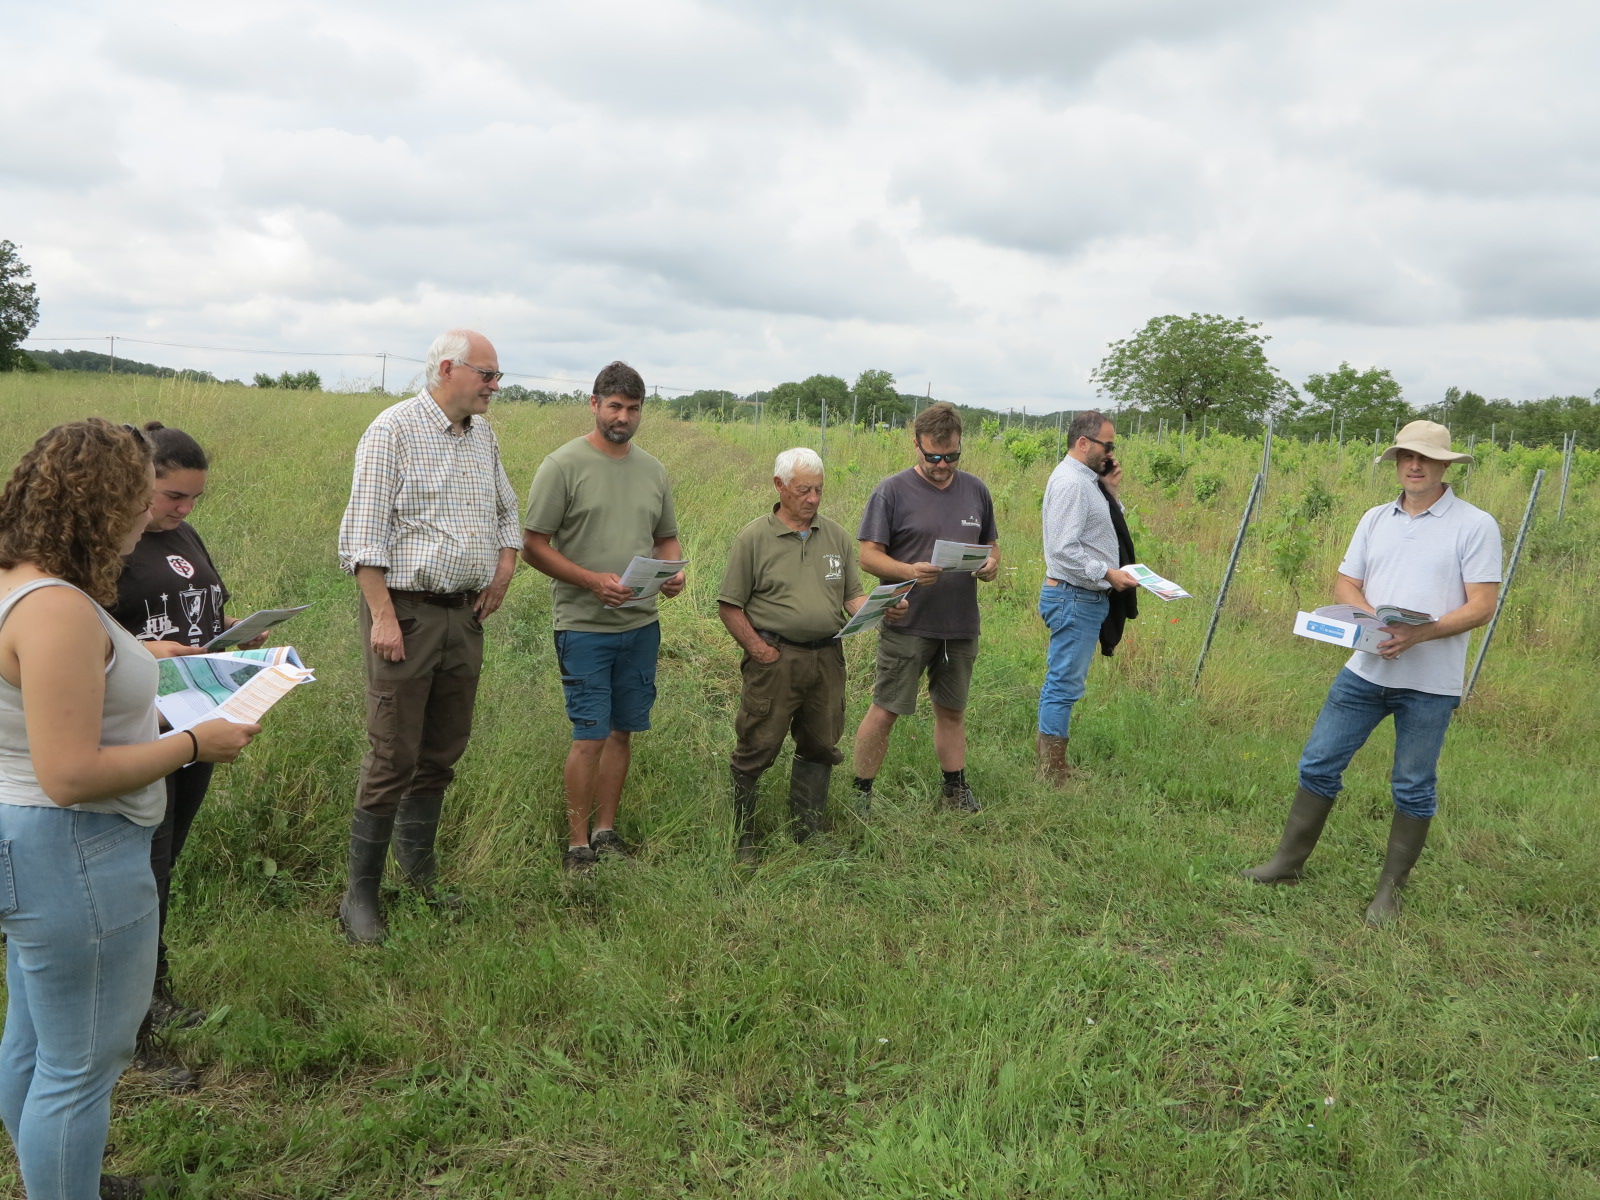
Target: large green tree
{"type": "Point", "coordinates": [19, 307]}
{"type": "Point", "coordinates": [1361, 400]}
{"type": "Point", "coordinates": [1195, 366]}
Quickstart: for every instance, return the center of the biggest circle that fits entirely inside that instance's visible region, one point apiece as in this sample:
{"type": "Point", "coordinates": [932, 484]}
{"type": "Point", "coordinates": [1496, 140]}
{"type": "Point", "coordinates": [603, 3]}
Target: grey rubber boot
{"type": "Point", "coordinates": [416, 828]}
{"type": "Point", "coordinates": [808, 797]}
{"type": "Point", "coordinates": [1307, 815]}
{"type": "Point", "coordinates": [745, 790]}
{"type": "Point", "coordinates": [361, 912]}
{"type": "Point", "coordinates": [1407, 835]}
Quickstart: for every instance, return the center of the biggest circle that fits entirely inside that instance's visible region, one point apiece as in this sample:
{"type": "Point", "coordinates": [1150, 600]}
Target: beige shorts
{"type": "Point", "coordinates": [902, 659]}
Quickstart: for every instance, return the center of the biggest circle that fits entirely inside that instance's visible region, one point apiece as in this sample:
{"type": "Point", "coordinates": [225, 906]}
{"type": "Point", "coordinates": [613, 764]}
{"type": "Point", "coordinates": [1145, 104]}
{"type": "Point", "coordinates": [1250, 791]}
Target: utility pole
{"type": "Point", "coordinates": [113, 354]}
{"type": "Point", "coordinates": [383, 372]}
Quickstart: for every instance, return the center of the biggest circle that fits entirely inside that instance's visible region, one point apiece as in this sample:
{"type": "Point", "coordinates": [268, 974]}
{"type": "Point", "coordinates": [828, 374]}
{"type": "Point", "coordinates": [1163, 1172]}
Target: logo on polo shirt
{"type": "Point", "coordinates": [180, 565]}
{"type": "Point", "coordinates": [835, 566]}
{"type": "Point", "coordinates": [971, 522]}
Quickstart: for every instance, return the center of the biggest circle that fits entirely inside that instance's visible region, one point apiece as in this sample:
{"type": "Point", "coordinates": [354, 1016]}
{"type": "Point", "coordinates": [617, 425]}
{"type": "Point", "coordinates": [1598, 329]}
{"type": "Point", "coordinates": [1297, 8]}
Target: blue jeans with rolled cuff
{"type": "Point", "coordinates": [1351, 712]}
{"type": "Point", "coordinates": [78, 906]}
{"type": "Point", "coordinates": [1074, 616]}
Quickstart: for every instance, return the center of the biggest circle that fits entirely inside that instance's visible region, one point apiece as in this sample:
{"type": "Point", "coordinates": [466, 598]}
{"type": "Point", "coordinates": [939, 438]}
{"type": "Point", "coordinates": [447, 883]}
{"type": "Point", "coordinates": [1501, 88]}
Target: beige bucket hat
{"type": "Point", "coordinates": [1427, 438]}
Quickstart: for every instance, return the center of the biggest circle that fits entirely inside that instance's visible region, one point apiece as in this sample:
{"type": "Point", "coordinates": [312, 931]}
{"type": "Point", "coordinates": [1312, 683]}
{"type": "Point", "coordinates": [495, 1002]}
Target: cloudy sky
{"type": "Point", "coordinates": [974, 196]}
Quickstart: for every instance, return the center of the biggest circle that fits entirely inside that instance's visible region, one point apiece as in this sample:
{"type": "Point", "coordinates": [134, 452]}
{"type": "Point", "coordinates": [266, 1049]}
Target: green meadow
{"type": "Point", "coordinates": [1069, 994]}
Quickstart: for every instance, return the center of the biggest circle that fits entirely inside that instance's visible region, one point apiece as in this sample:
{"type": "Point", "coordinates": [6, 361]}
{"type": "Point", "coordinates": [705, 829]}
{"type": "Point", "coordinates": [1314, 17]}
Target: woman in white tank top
{"type": "Point", "coordinates": [80, 792]}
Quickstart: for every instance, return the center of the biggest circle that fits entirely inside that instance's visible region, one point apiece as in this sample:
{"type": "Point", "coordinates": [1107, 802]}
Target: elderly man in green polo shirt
{"type": "Point", "coordinates": [790, 586]}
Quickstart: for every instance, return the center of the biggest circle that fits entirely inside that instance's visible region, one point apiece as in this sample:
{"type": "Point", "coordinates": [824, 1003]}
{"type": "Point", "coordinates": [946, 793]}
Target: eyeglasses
{"type": "Point", "coordinates": [1108, 447]}
{"type": "Point", "coordinates": [938, 458]}
{"type": "Point", "coordinates": [488, 376]}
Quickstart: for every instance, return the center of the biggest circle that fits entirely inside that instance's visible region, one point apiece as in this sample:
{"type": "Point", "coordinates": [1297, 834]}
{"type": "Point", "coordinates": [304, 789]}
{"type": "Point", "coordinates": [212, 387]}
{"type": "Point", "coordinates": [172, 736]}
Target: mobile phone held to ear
{"type": "Point", "coordinates": [1108, 465]}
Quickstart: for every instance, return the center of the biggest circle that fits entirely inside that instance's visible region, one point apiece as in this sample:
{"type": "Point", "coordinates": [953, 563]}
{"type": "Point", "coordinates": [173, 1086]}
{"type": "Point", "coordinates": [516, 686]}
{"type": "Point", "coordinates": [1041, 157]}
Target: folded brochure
{"type": "Point", "coordinates": [1155, 584]}
{"type": "Point", "coordinates": [879, 601]}
{"type": "Point", "coordinates": [253, 626]}
{"type": "Point", "coordinates": [239, 685]}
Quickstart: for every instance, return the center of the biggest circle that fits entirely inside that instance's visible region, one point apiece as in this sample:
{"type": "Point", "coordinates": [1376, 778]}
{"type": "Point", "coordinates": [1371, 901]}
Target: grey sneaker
{"type": "Point", "coordinates": [608, 841]}
{"type": "Point", "coordinates": [579, 860]}
{"type": "Point", "coordinates": [958, 796]}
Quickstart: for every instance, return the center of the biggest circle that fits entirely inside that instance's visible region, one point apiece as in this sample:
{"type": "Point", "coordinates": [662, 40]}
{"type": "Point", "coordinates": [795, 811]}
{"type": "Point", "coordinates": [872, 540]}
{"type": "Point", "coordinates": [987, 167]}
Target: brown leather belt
{"type": "Point", "coordinates": [440, 599]}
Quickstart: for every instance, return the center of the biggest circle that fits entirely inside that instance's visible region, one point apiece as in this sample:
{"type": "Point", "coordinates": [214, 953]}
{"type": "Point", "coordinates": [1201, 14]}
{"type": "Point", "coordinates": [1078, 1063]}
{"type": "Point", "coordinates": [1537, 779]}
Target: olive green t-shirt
{"type": "Point", "coordinates": [599, 512]}
{"type": "Point", "coordinates": [794, 586]}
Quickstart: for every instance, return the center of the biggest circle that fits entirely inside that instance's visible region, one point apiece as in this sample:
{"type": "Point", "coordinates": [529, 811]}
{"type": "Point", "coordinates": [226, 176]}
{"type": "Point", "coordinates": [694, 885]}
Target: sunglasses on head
{"type": "Point", "coordinates": [955, 456]}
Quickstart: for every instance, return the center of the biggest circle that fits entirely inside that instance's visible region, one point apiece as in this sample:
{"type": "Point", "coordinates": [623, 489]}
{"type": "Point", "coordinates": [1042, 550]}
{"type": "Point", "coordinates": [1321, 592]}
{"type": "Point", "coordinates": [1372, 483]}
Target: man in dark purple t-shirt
{"type": "Point", "coordinates": [905, 515]}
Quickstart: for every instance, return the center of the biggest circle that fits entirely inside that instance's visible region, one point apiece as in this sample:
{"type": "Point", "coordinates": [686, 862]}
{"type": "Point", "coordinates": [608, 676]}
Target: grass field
{"type": "Point", "coordinates": [1066, 995]}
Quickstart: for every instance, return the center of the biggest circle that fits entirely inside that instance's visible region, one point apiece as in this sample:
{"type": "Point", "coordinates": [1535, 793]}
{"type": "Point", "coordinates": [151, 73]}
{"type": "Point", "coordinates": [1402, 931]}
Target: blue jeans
{"type": "Point", "coordinates": [609, 679]}
{"type": "Point", "coordinates": [1351, 712]}
{"type": "Point", "coordinates": [1074, 616]}
{"type": "Point", "coordinates": [78, 906]}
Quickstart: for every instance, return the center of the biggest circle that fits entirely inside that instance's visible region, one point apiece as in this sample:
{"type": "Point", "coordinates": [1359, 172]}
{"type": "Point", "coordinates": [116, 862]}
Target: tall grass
{"type": "Point", "coordinates": [1066, 995]}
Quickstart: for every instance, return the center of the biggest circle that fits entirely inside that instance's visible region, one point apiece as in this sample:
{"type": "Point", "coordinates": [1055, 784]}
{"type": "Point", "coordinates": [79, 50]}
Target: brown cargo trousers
{"type": "Point", "coordinates": [419, 710]}
{"type": "Point", "coordinates": [800, 694]}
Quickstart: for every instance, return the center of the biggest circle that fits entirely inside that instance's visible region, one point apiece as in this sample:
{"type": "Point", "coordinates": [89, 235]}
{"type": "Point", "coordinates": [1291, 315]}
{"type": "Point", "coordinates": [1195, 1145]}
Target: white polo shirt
{"type": "Point", "coordinates": [1423, 563]}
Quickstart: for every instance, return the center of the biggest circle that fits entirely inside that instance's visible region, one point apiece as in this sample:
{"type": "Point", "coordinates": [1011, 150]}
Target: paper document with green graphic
{"type": "Point", "coordinates": [239, 686]}
{"type": "Point", "coordinates": [1151, 582]}
{"type": "Point", "coordinates": [879, 601]}
{"type": "Point", "coordinates": [645, 576]}
{"type": "Point", "coordinates": [959, 556]}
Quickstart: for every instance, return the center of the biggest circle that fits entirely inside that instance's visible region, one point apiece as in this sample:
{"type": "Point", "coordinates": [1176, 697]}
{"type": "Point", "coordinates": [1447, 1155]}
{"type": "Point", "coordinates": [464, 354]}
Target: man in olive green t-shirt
{"type": "Point", "coordinates": [595, 503]}
{"type": "Point", "coordinates": [790, 584]}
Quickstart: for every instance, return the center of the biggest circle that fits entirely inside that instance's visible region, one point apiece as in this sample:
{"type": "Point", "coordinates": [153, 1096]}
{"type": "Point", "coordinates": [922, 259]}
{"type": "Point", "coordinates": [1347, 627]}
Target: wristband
{"type": "Point", "coordinates": [195, 742]}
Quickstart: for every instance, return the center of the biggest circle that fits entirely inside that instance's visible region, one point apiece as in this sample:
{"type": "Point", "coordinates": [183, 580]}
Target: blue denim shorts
{"type": "Point", "coordinates": [609, 679]}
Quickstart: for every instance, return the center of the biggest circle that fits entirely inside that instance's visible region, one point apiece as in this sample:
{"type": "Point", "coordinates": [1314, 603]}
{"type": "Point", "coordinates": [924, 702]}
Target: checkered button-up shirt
{"type": "Point", "coordinates": [430, 506]}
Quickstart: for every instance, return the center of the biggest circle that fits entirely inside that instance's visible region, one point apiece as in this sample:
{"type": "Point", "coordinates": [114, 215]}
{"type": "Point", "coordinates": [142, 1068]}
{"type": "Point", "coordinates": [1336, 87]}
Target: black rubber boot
{"type": "Point", "coordinates": [808, 797]}
{"type": "Point", "coordinates": [157, 1062]}
{"type": "Point", "coordinates": [361, 912]}
{"type": "Point", "coordinates": [166, 1010]}
{"type": "Point", "coordinates": [745, 790]}
{"type": "Point", "coordinates": [1407, 835]}
{"type": "Point", "coordinates": [1307, 815]}
{"type": "Point", "coordinates": [129, 1187]}
{"type": "Point", "coordinates": [416, 828]}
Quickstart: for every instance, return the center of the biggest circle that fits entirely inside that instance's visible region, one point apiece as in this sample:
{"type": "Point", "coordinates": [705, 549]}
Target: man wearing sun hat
{"type": "Point", "coordinates": [1428, 551]}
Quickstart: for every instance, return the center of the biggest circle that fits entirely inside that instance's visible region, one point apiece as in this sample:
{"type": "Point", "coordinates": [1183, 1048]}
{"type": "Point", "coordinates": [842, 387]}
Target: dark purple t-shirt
{"type": "Point", "coordinates": [169, 590]}
{"type": "Point", "coordinates": [906, 514]}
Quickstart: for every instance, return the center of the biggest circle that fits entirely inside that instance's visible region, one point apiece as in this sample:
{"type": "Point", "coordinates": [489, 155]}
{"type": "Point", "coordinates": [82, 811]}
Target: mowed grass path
{"type": "Point", "coordinates": [1066, 995]}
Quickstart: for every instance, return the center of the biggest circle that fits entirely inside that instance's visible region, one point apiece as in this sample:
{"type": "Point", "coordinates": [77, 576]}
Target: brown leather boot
{"type": "Point", "coordinates": [1053, 768]}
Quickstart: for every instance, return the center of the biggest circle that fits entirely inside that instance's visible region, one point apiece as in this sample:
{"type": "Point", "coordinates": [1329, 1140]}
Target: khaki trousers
{"type": "Point", "coordinates": [419, 710]}
{"type": "Point", "coordinates": [800, 694]}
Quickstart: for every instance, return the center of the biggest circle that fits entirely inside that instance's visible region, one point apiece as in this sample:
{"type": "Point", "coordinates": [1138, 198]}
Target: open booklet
{"type": "Point", "coordinates": [959, 556]}
{"type": "Point", "coordinates": [1153, 583]}
{"type": "Point", "coordinates": [645, 576]}
{"type": "Point", "coordinates": [1386, 614]}
{"type": "Point", "coordinates": [253, 626]}
{"type": "Point", "coordinates": [879, 601]}
{"type": "Point", "coordinates": [238, 686]}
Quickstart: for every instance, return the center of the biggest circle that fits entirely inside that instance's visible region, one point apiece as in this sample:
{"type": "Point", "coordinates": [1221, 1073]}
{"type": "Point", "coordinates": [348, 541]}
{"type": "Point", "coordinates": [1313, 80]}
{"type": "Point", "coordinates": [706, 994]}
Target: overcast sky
{"type": "Point", "coordinates": [976, 196]}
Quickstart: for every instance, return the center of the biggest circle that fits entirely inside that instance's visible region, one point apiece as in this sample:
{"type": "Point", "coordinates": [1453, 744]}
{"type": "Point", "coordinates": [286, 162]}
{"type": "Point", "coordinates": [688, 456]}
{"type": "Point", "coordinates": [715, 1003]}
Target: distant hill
{"type": "Point", "coordinates": [93, 360]}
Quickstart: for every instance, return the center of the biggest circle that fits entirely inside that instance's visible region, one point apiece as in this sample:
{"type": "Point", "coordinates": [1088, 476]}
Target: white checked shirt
{"type": "Point", "coordinates": [431, 506]}
{"type": "Point", "coordinates": [1080, 542]}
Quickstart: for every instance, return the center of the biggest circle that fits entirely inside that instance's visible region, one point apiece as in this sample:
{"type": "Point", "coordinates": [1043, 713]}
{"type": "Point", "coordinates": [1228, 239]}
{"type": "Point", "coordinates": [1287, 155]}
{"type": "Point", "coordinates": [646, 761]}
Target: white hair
{"type": "Point", "coordinates": [801, 458]}
{"type": "Point", "coordinates": [452, 345]}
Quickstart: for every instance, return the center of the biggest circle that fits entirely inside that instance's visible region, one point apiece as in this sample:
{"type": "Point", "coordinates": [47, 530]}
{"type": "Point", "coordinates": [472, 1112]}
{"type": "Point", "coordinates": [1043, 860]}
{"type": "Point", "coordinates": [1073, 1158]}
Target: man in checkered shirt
{"type": "Point", "coordinates": [431, 535]}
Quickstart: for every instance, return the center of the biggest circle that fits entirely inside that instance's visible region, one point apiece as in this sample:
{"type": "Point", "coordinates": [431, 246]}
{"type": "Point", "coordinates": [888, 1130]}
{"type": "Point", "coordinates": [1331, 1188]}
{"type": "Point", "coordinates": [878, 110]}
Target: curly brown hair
{"type": "Point", "coordinates": [71, 500]}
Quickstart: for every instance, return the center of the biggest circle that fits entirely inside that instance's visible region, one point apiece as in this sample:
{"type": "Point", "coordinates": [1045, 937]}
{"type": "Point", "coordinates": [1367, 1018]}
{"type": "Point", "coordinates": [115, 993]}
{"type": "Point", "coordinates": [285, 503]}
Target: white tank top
{"type": "Point", "coordinates": [128, 718]}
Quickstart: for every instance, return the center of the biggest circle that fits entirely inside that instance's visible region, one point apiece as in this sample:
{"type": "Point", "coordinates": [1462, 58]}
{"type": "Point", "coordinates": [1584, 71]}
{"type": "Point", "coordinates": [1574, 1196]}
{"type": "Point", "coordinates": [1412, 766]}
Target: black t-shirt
{"type": "Point", "coordinates": [169, 590]}
{"type": "Point", "coordinates": [905, 515]}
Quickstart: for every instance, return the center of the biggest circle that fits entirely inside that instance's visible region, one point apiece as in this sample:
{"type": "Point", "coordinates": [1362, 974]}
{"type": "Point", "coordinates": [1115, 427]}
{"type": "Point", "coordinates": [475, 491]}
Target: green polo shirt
{"type": "Point", "coordinates": [794, 586]}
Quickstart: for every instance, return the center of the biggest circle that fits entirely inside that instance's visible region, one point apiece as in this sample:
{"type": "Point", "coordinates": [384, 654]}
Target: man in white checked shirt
{"type": "Point", "coordinates": [431, 534]}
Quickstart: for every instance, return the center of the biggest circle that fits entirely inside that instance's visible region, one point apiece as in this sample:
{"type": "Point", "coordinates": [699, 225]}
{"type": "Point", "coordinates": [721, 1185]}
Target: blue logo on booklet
{"type": "Point", "coordinates": [1329, 630]}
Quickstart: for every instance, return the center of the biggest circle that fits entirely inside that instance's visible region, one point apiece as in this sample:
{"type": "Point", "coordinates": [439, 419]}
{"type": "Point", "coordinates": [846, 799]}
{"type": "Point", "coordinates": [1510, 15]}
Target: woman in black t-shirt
{"type": "Point", "coordinates": [170, 592]}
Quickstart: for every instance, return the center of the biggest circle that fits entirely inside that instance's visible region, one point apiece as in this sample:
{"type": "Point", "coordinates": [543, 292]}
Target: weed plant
{"type": "Point", "coordinates": [1069, 994]}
